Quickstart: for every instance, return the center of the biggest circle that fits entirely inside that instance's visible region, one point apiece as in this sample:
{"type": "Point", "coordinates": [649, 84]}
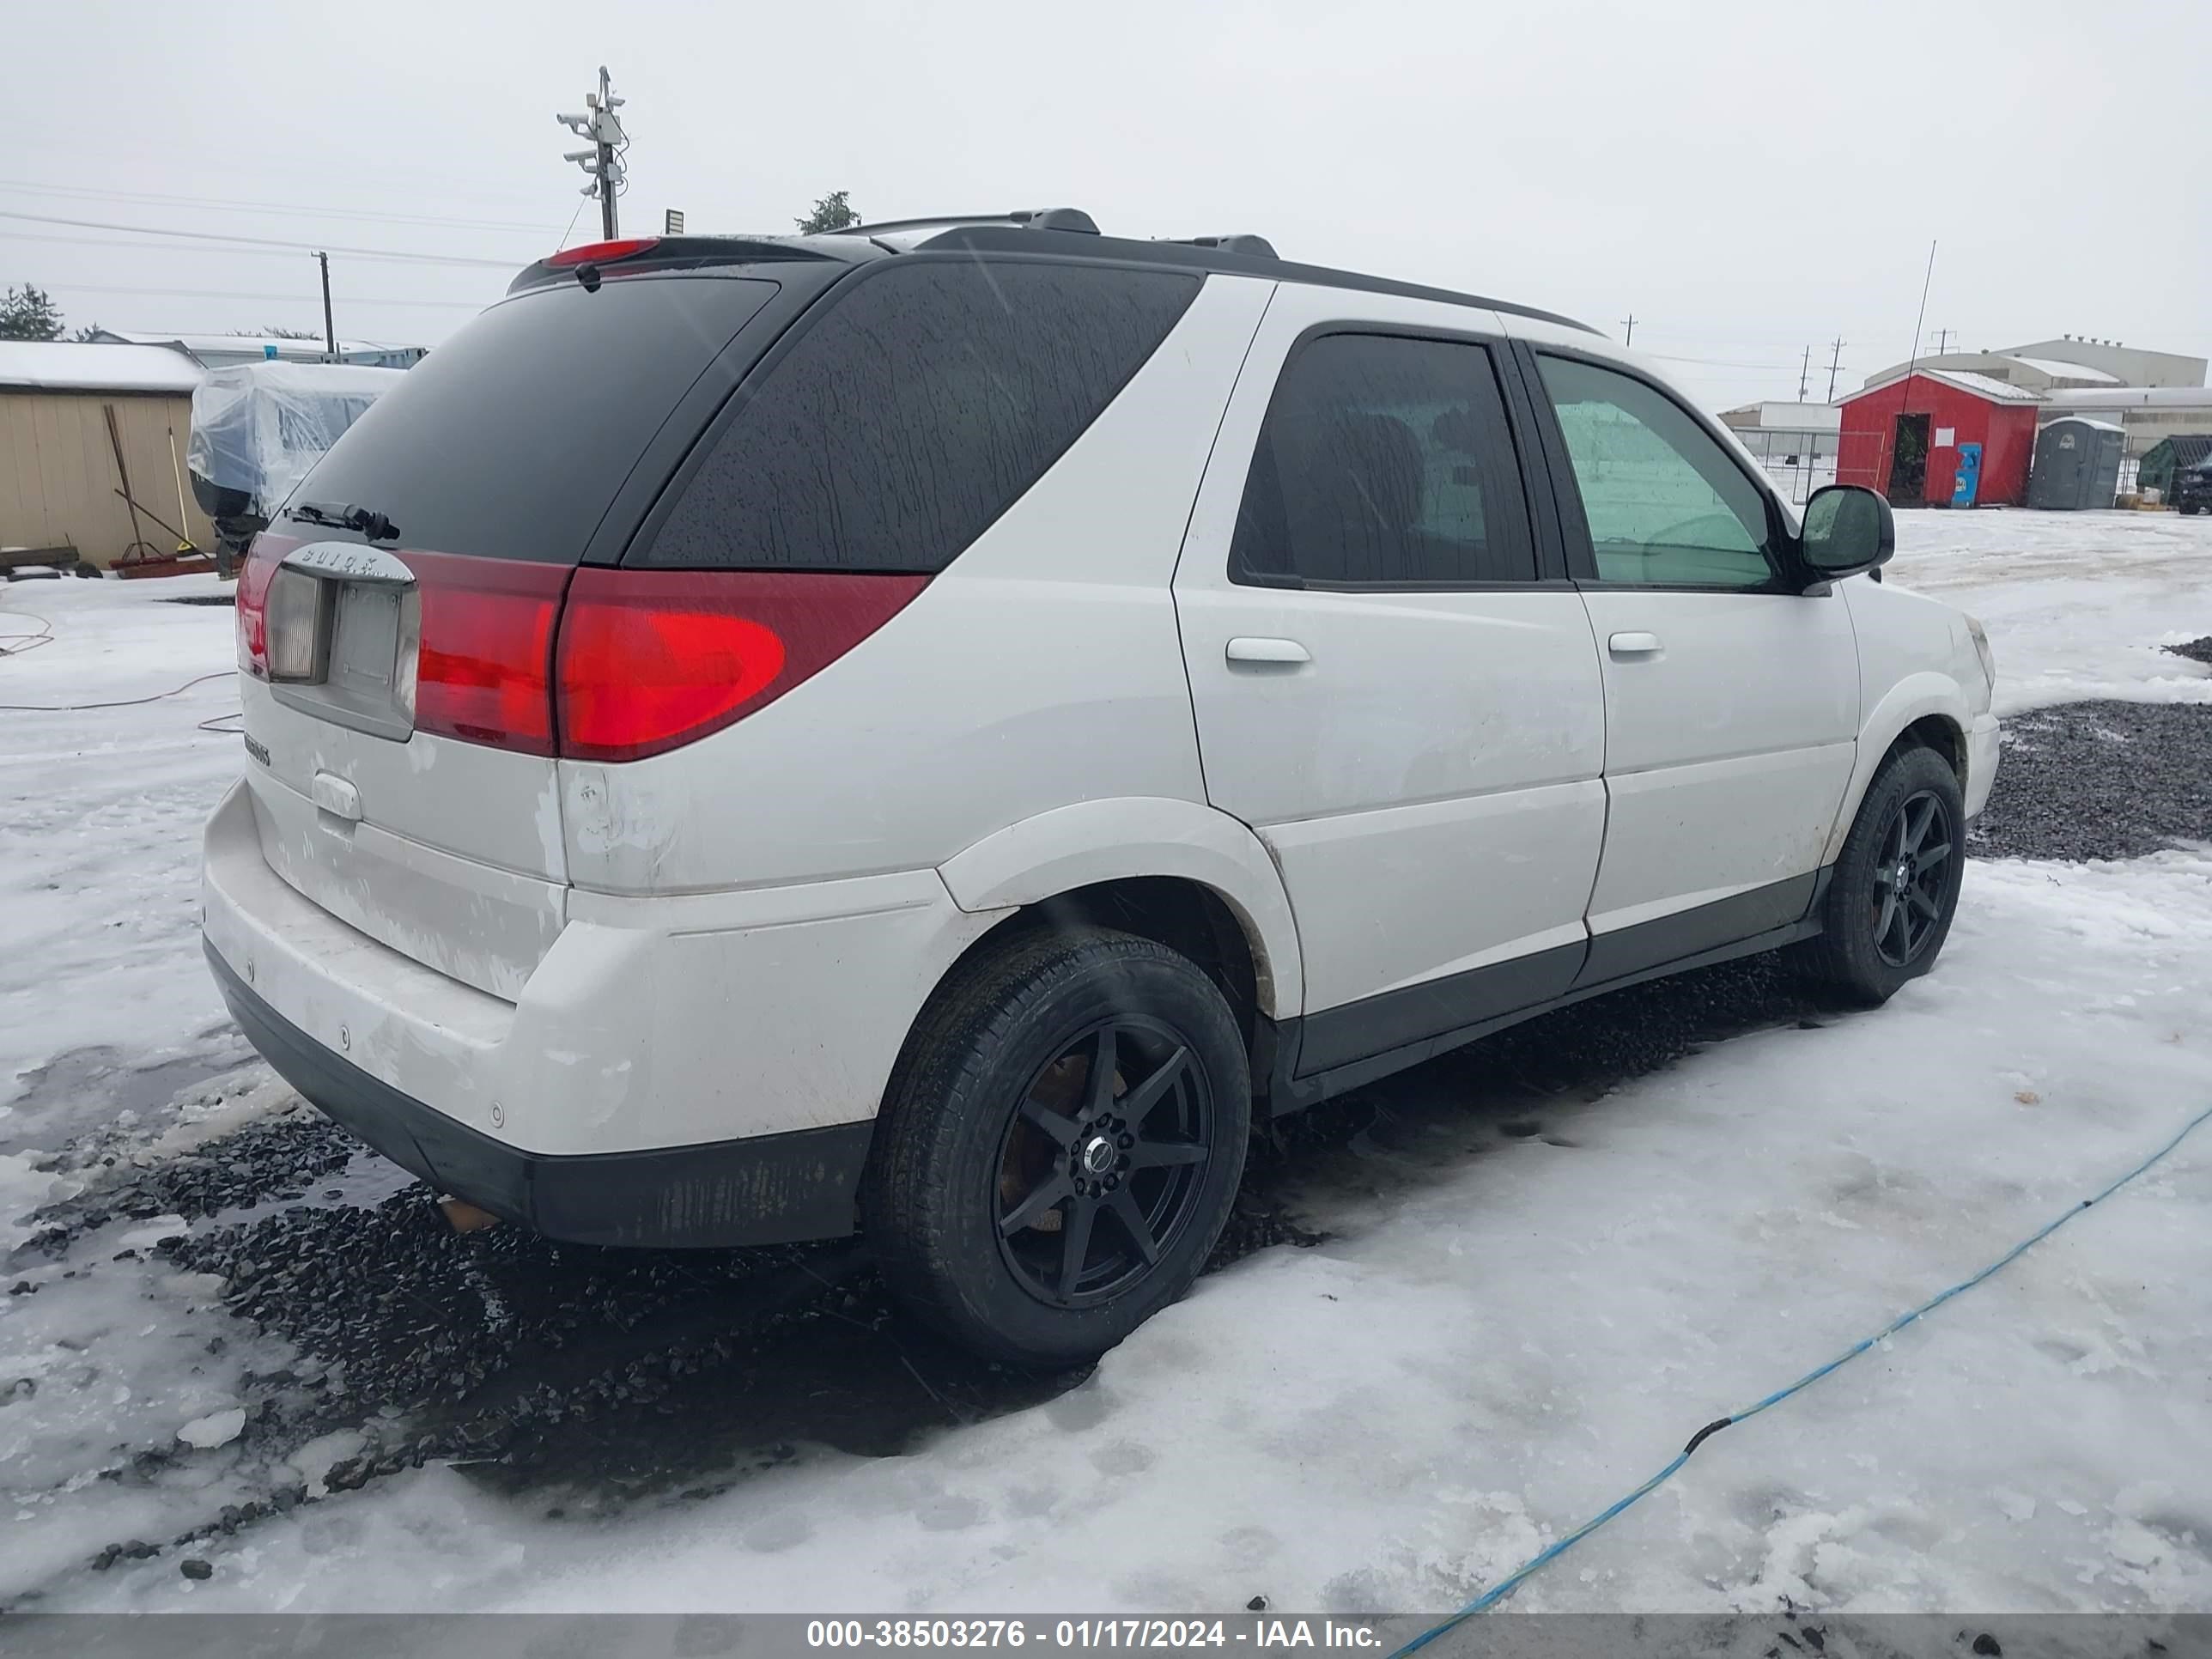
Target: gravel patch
{"type": "Point", "coordinates": [2198, 650]}
{"type": "Point", "coordinates": [280, 1159]}
{"type": "Point", "coordinates": [2100, 781]}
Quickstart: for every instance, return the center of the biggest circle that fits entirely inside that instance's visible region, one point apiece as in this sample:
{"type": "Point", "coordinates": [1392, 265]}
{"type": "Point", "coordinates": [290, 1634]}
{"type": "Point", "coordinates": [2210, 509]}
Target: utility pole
{"type": "Point", "coordinates": [1630, 323]}
{"type": "Point", "coordinates": [330, 328]}
{"type": "Point", "coordinates": [603, 162]}
{"type": "Point", "coordinates": [1804, 370]}
{"type": "Point", "coordinates": [1835, 365]}
{"type": "Point", "coordinates": [1943, 340]}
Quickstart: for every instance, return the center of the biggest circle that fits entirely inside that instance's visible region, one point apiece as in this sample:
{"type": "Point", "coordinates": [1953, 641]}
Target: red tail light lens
{"type": "Point", "coordinates": [651, 659]}
{"type": "Point", "coordinates": [252, 601]}
{"type": "Point", "coordinates": [621, 663]}
{"type": "Point", "coordinates": [482, 669]}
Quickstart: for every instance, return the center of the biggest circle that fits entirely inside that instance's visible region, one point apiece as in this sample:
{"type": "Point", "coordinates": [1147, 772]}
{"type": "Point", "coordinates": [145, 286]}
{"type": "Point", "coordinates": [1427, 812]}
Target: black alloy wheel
{"type": "Point", "coordinates": [1101, 1165]}
{"type": "Point", "coordinates": [1917, 840]}
{"type": "Point", "coordinates": [1060, 1144]}
{"type": "Point", "coordinates": [1891, 894]}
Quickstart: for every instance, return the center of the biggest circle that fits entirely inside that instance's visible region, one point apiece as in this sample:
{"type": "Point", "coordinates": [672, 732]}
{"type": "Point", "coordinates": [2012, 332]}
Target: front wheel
{"type": "Point", "coordinates": [1895, 888]}
{"type": "Point", "coordinates": [1060, 1146]}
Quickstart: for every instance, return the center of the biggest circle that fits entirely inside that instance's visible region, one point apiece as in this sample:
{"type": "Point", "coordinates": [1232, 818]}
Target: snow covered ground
{"type": "Point", "coordinates": [2077, 604]}
{"type": "Point", "coordinates": [99, 883]}
{"type": "Point", "coordinates": [1529, 1295]}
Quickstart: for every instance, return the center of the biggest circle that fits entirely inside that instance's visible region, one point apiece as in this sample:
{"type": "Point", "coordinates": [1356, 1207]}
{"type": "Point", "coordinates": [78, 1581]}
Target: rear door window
{"type": "Point", "coordinates": [1385, 462]}
{"type": "Point", "coordinates": [918, 406]}
{"type": "Point", "coordinates": [510, 439]}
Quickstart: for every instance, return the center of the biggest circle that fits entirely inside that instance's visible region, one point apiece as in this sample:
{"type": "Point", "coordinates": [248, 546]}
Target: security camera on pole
{"type": "Point", "coordinates": [603, 161]}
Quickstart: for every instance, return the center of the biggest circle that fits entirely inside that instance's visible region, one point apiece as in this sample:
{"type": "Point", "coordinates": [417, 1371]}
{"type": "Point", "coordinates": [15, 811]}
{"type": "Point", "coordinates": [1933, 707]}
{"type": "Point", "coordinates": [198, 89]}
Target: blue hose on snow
{"type": "Point", "coordinates": [1506, 1585]}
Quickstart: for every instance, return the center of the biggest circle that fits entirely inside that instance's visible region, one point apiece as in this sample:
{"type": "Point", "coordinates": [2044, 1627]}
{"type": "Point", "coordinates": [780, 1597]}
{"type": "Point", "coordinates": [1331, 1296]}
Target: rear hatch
{"type": "Point", "coordinates": [396, 620]}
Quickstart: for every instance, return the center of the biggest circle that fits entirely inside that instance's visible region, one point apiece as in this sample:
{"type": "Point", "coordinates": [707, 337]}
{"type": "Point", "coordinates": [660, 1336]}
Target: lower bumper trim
{"type": "Point", "coordinates": [766, 1189]}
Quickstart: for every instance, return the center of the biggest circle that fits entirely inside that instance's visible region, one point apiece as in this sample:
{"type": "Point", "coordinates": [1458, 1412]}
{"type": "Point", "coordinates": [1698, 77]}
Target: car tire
{"type": "Point", "coordinates": [1017, 1209]}
{"type": "Point", "coordinates": [1890, 901]}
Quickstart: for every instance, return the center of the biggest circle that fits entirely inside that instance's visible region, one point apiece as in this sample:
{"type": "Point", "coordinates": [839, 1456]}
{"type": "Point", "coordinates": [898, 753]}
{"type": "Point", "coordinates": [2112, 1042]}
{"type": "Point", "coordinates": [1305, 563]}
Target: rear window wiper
{"type": "Point", "coordinates": [343, 515]}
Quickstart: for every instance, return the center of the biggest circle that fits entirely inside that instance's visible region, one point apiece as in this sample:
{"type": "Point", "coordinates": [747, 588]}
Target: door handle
{"type": "Point", "coordinates": [1266, 651]}
{"type": "Point", "coordinates": [1634, 644]}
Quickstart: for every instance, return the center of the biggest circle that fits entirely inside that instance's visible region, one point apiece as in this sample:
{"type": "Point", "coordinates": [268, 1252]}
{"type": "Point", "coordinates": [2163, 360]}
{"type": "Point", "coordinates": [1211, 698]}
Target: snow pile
{"type": "Point", "coordinates": [217, 1429]}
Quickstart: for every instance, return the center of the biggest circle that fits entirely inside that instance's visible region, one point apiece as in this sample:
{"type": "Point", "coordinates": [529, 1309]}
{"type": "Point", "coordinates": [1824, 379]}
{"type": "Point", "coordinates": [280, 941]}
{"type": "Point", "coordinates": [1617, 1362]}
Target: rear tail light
{"type": "Point", "coordinates": [589, 664]}
{"type": "Point", "coordinates": [252, 601]}
{"type": "Point", "coordinates": [485, 649]}
{"type": "Point", "coordinates": [651, 659]}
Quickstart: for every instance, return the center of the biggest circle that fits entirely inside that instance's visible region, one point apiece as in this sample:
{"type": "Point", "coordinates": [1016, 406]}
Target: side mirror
{"type": "Point", "coordinates": [1848, 529]}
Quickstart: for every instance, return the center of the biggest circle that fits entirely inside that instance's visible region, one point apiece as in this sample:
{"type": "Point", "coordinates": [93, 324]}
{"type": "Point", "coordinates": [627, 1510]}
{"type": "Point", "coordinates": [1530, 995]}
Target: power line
{"type": "Point", "coordinates": [258, 241]}
{"type": "Point", "coordinates": [156, 197]}
{"type": "Point", "coordinates": [240, 294]}
{"type": "Point", "coordinates": [175, 248]}
{"type": "Point", "coordinates": [1711, 363]}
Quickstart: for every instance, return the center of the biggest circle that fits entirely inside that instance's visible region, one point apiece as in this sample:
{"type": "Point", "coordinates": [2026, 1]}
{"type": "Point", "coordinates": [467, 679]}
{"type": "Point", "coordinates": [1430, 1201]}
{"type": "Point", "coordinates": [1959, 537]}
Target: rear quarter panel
{"type": "Point", "coordinates": [1043, 668]}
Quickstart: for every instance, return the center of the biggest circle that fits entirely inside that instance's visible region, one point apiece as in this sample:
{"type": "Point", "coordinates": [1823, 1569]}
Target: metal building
{"type": "Point", "coordinates": [2077, 465]}
{"type": "Point", "coordinates": [77, 423]}
{"type": "Point", "coordinates": [1939, 438]}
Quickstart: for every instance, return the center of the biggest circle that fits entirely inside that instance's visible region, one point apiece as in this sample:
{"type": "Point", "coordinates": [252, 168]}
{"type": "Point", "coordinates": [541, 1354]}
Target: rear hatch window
{"type": "Point", "coordinates": [509, 440]}
{"type": "Point", "coordinates": [396, 622]}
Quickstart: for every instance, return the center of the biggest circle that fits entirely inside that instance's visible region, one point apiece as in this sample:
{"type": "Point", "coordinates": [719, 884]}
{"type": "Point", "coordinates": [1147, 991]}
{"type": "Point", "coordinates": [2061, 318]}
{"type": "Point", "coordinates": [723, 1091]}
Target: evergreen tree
{"type": "Point", "coordinates": [832, 212]}
{"type": "Point", "coordinates": [29, 314]}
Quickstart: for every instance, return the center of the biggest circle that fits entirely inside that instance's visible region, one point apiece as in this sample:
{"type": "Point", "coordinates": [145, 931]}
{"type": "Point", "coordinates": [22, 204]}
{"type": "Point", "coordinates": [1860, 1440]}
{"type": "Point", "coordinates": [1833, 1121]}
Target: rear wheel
{"type": "Point", "coordinates": [1060, 1144]}
{"type": "Point", "coordinates": [1890, 902]}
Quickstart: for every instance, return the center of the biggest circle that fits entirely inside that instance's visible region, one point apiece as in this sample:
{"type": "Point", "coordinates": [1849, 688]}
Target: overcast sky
{"type": "Point", "coordinates": [1747, 180]}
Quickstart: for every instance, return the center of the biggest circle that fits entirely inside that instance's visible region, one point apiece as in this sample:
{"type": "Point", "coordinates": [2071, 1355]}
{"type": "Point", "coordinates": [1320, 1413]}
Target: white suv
{"type": "Point", "coordinates": [932, 730]}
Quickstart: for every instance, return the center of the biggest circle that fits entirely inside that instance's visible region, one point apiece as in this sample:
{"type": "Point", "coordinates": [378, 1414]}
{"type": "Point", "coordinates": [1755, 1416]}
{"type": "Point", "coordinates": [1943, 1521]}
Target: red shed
{"type": "Point", "coordinates": [1939, 437]}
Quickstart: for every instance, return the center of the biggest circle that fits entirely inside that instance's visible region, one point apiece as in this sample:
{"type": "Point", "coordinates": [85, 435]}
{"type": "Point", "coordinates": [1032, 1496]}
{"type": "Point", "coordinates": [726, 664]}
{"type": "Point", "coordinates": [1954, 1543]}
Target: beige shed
{"type": "Point", "coordinates": [57, 462]}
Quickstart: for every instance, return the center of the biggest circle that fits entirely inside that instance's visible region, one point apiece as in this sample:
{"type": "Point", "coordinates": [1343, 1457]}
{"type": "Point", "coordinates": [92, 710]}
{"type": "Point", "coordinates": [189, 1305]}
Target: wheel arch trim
{"type": "Point", "coordinates": [1912, 698]}
{"type": "Point", "coordinates": [1118, 838]}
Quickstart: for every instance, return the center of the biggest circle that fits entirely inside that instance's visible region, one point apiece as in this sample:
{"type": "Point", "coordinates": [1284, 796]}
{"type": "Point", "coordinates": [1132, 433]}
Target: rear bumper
{"type": "Point", "coordinates": [765, 1189]}
{"type": "Point", "coordinates": [696, 1069]}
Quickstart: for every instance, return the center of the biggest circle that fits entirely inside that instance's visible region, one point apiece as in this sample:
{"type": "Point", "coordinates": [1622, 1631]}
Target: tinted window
{"type": "Point", "coordinates": [510, 439]}
{"type": "Point", "coordinates": [1667, 506]}
{"type": "Point", "coordinates": [1385, 460]}
{"type": "Point", "coordinates": [915, 410]}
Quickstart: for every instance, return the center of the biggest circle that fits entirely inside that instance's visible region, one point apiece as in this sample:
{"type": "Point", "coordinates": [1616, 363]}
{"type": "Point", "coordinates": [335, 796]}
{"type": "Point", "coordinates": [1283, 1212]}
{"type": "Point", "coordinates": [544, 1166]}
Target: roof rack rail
{"type": "Point", "coordinates": [1058, 218]}
{"type": "Point", "coordinates": [1240, 241]}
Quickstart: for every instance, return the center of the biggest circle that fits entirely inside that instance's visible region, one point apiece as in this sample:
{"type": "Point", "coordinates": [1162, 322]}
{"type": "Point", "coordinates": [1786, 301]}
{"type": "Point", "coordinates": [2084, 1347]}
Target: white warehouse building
{"type": "Point", "coordinates": [2151, 395]}
{"type": "Point", "coordinates": [2065, 363]}
{"type": "Point", "coordinates": [1795, 443]}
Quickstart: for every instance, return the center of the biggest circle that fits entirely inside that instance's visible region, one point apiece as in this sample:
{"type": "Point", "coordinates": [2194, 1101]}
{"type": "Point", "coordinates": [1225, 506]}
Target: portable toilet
{"type": "Point", "coordinates": [2077, 465]}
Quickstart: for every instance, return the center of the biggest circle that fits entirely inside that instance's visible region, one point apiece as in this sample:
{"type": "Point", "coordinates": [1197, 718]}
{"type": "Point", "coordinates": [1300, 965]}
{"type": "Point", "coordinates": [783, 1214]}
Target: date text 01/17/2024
{"type": "Point", "coordinates": [1001, 1633]}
